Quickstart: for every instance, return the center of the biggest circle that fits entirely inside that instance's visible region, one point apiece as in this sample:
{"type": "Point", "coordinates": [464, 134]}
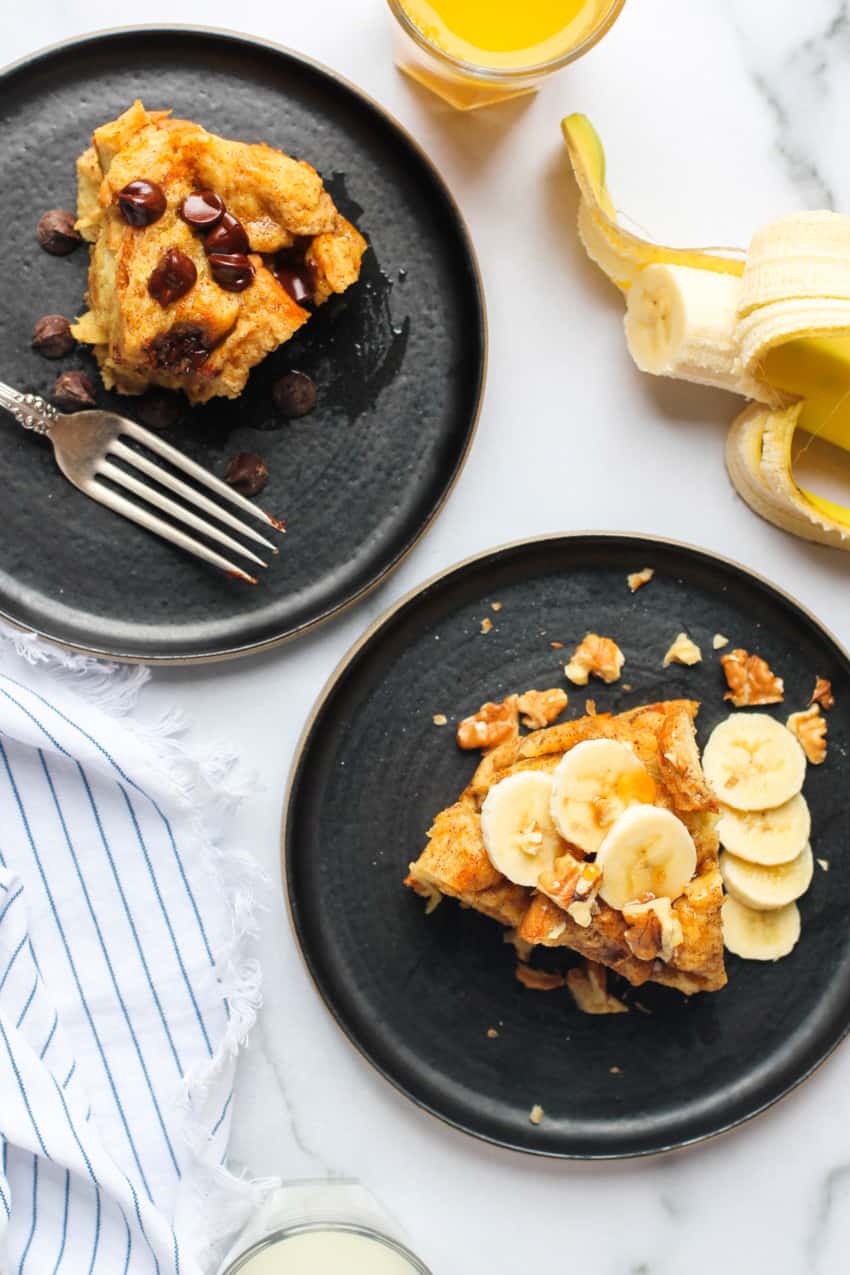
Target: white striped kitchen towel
{"type": "Point", "coordinates": [125, 986]}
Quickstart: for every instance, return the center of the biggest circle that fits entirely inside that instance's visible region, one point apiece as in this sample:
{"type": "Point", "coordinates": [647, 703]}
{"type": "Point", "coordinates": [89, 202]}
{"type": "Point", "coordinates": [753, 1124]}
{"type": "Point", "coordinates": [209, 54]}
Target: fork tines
{"type": "Point", "coordinates": [152, 496]}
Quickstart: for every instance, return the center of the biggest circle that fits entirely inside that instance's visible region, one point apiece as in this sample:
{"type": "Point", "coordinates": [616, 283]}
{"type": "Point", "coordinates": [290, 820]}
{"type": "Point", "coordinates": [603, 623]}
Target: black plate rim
{"type": "Point", "coordinates": [628, 539]}
{"type": "Point", "coordinates": [31, 61]}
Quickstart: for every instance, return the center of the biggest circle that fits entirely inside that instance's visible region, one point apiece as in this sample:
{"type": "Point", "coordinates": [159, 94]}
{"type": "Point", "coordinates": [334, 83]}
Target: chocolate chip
{"type": "Point", "coordinates": [51, 336]}
{"type": "Point", "coordinates": [172, 277]}
{"type": "Point", "coordinates": [294, 273]}
{"type": "Point", "coordinates": [228, 236]}
{"type": "Point", "coordinates": [294, 394]}
{"type": "Point", "coordinates": [203, 209]}
{"type": "Point", "coordinates": [74, 391]}
{"type": "Point", "coordinates": [158, 409]}
{"type": "Point", "coordinates": [181, 350]}
{"type": "Point", "coordinates": [141, 203]}
{"type": "Point", "coordinates": [56, 234]}
{"type": "Point", "coordinates": [231, 270]}
{"type": "Point", "coordinates": [247, 472]}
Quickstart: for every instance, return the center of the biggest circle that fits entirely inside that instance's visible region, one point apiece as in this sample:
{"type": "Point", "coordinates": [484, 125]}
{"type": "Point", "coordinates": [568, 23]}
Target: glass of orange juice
{"type": "Point", "coordinates": [476, 52]}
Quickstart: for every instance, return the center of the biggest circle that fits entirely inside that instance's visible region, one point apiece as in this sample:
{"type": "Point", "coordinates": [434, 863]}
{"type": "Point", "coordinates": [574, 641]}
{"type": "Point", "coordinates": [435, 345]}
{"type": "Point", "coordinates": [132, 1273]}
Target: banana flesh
{"type": "Point", "coordinates": [760, 936]}
{"type": "Point", "coordinates": [773, 326]}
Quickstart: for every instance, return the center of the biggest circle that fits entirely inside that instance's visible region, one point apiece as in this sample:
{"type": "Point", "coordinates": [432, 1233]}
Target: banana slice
{"type": "Point", "coordinates": [760, 936]}
{"type": "Point", "coordinates": [753, 763]}
{"type": "Point", "coordinates": [767, 837]}
{"type": "Point", "coordinates": [648, 851]}
{"type": "Point", "coordinates": [681, 322]}
{"type": "Point", "coordinates": [591, 787]}
{"type": "Point", "coordinates": [519, 836]}
{"type": "Point", "coordinates": [766, 889]}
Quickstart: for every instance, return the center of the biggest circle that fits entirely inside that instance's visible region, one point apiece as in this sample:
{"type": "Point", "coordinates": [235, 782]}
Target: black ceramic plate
{"type": "Point", "coordinates": [417, 994]}
{"type": "Point", "coordinates": [398, 360]}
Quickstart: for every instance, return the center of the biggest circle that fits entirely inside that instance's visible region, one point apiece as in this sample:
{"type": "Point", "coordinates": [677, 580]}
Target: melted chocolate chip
{"type": "Point", "coordinates": [202, 210]}
{"type": "Point", "coordinates": [56, 234]}
{"type": "Point", "coordinates": [182, 350]}
{"type": "Point", "coordinates": [172, 278]}
{"type": "Point", "coordinates": [74, 391]}
{"type": "Point", "coordinates": [51, 336]}
{"type": "Point", "coordinates": [229, 236]}
{"type": "Point", "coordinates": [247, 472]}
{"type": "Point", "coordinates": [294, 394]}
{"type": "Point", "coordinates": [295, 273]}
{"type": "Point", "coordinates": [141, 203]}
{"type": "Point", "coordinates": [231, 271]}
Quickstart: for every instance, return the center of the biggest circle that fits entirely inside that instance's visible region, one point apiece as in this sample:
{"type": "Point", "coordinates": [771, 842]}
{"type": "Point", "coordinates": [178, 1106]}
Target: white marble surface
{"type": "Point", "coordinates": [716, 115]}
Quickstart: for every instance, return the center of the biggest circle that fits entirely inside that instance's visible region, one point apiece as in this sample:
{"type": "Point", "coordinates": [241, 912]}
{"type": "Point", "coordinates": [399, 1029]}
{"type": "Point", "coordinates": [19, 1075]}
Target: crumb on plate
{"type": "Point", "coordinates": [535, 1115]}
{"type": "Point", "coordinates": [719, 641]}
{"type": "Point", "coordinates": [439, 719]}
{"type": "Point", "coordinates": [637, 579]}
{"type": "Point", "coordinates": [683, 651]}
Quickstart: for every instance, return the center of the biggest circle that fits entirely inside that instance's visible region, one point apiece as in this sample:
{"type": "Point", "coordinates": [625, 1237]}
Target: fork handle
{"type": "Point", "coordinates": [28, 409]}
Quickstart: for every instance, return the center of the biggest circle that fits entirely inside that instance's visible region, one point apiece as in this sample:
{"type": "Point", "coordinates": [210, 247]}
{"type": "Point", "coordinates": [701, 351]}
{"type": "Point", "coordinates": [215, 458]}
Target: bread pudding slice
{"type": "Point", "coordinates": [676, 941]}
{"type": "Point", "coordinates": [191, 298]}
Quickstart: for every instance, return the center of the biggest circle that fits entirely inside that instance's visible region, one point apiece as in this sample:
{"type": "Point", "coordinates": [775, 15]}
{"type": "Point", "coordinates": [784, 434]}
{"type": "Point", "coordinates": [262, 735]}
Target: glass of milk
{"type": "Point", "coordinates": [321, 1228]}
{"type": "Point", "coordinates": [327, 1249]}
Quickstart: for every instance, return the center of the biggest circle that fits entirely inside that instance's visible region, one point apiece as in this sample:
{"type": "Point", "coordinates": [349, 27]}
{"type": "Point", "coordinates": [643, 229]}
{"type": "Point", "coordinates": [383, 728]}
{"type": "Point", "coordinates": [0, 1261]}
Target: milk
{"type": "Point", "coordinates": [327, 1253]}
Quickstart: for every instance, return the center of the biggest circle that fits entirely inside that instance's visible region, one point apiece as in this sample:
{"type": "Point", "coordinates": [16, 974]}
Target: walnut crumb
{"type": "Point", "coordinates": [822, 694]}
{"type": "Point", "coordinates": [492, 1034]}
{"type": "Point", "coordinates": [491, 725]}
{"type": "Point", "coordinates": [627, 686]}
{"type": "Point", "coordinates": [486, 624]}
{"type": "Point", "coordinates": [495, 606]}
{"type": "Point", "coordinates": [595, 656]}
{"type": "Point", "coordinates": [683, 651]}
{"type": "Point", "coordinates": [810, 729]}
{"type": "Point", "coordinates": [750, 680]}
{"type": "Point", "coordinates": [638, 579]}
{"type": "Point", "coordinates": [540, 708]}
{"type": "Point", "coordinates": [535, 1115]}
{"type": "Point", "coordinates": [719, 641]}
{"type": "Point", "coordinates": [823, 864]}
{"type": "Point", "coordinates": [614, 1071]}
{"type": "Point", "coordinates": [557, 646]}
{"type": "Point", "coordinates": [440, 719]}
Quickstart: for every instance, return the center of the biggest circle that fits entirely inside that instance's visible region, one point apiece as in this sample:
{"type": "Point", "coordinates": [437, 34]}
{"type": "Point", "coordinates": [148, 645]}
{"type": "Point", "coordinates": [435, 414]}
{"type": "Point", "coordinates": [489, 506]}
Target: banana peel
{"type": "Point", "coordinates": [792, 336]}
{"type": "Point", "coordinates": [619, 253]}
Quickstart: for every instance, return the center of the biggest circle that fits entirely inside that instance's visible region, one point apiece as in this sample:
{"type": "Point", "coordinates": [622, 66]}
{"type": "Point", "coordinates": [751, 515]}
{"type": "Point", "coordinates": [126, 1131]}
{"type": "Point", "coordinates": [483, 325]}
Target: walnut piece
{"type": "Point", "coordinates": [439, 719]}
{"type": "Point", "coordinates": [750, 680]}
{"type": "Point", "coordinates": [540, 708]}
{"type": "Point", "coordinates": [570, 879]}
{"type": "Point", "coordinates": [654, 929]}
{"type": "Point", "coordinates": [535, 1115]}
{"type": "Point", "coordinates": [486, 624]}
{"type": "Point", "coordinates": [719, 641]}
{"type": "Point", "coordinates": [599, 656]}
{"type": "Point", "coordinates": [810, 729]}
{"type": "Point", "coordinates": [538, 980]}
{"type": "Point", "coordinates": [683, 651]}
{"type": "Point", "coordinates": [822, 694]}
{"type": "Point", "coordinates": [491, 725]}
{"type": "Point", "coordinates": [588, 985]}
{"type": "Point", "coordinates": [637, 579]}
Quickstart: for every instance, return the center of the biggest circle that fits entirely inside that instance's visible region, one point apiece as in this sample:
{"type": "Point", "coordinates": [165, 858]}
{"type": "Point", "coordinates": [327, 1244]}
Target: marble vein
{"type": "Point", "coordinates": [834, 1189]}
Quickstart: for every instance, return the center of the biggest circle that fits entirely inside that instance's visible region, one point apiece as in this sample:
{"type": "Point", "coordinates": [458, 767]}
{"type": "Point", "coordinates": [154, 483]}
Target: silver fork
{"type": "Point", "coordinates": [84, 441]}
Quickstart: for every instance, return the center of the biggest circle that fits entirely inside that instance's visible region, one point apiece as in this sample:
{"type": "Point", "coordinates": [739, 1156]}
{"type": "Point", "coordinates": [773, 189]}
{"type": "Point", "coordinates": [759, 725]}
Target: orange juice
{"type": "Point", "coordinates": [474, 52]}
{"type": "Point", "coordinates": [509, 34]}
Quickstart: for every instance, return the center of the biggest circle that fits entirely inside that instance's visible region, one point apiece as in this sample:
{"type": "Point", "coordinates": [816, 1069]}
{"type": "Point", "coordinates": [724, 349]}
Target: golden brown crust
{"type": "Point", "coordinates": [277, 199]}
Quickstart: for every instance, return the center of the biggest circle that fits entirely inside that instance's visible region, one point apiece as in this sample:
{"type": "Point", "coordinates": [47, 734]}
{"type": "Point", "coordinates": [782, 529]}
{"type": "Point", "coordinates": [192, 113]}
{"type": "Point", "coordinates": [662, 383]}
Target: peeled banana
{"type": "Point", "coordinates": [772, 325]}
{"type": "Point", "coordinates": [592, 785]}
{"type": "Point", "coordinates": [766, 837]}
{"type": "Point", "coordinates": [767, 888]}
{"type": "Point", "coordinates": [752, 762]}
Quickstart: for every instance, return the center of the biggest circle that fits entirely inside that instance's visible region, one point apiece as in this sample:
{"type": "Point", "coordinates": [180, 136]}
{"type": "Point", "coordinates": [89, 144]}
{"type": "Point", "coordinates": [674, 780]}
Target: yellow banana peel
{"type": "Point", "coordinates": [791, 336]}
